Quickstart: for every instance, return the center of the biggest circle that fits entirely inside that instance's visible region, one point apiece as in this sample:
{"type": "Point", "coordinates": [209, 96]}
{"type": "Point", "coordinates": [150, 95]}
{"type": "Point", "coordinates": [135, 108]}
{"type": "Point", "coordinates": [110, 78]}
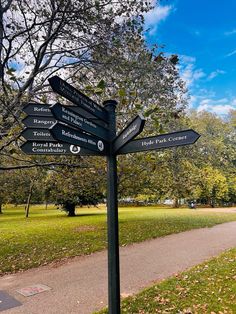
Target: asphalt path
{"type": "Point", "coordinates": [79, 286]}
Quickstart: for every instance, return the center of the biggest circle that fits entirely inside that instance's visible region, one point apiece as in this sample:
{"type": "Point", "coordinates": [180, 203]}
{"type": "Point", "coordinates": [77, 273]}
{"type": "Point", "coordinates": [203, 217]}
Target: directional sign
{"type": "Point", "coordinates": [37, 135]}
{"type": "Point", "coordinates": [66, 134]}
{"type": "Point", "coordinates": [39, 122]}
{"type": "Point", "coordinates": [134, 128]}
{"type": "Point", "coordinates": [69, 116]}
{"type": "Point", "coordinates": [55, 148]}
{"type": "Point", "coordinates": [34, 109]}
{"type": "Point", "coordinates": [180, 138]}
{"type": "Point", "coordinates": [69, 92]}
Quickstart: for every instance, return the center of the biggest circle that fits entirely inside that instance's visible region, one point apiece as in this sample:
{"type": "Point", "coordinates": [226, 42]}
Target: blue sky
{"type": "Point", "coordinates": [203, 34]}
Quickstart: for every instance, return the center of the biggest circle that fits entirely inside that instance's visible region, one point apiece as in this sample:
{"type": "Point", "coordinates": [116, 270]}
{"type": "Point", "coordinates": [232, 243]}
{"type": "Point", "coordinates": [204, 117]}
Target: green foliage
{"type": "Point", "coordinates": [15, 186]}
{"type": "Point", "coordinates": [213, 185]}
{"type": "Point", "coordinates": [55, 49]}
{"type": "Point", "coordinates": [204, 171]}
{"type": "Point", "coordinates": [76, 186]}
{"type": "Point", "coordinates": [140, 79]}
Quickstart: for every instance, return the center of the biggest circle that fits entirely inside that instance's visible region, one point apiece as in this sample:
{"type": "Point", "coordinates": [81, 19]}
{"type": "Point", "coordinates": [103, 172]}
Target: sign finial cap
{"type": "Point", "coordinates": [110, 102]}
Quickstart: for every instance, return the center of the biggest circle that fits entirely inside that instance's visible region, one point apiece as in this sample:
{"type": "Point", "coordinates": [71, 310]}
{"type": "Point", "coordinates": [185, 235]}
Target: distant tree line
{"type": "Point", "coordinates": [204, 172]}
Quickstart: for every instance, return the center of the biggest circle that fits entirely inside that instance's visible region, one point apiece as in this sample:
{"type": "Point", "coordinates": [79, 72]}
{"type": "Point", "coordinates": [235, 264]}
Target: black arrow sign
{"type": "Point", "coordinates": [39, 122]}
{"type": "Point", "coordinates": [66, 134]}
{"type": "Point", "coordinates": [180, 138]}
{"type": "Point", "coordinates": [134, 128]}
{"type": "Point", "coordinates": [55, 148]}
{"type": "Point", "coordinates": [69, 116]}
{"type": "Point", "coordinates": [34, 109]}
{"type": "Point", "coordinates": [37, 135]}
{"type": "Point", "coordinates": [69, 92]}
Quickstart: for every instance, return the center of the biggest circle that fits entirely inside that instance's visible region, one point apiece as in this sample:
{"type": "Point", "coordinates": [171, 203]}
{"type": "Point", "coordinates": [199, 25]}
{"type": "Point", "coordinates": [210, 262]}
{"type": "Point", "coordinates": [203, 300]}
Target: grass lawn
{"type": "Point", "coordinates": [49, 235]}
{"type": "Point", "coordinates": [207, 288]}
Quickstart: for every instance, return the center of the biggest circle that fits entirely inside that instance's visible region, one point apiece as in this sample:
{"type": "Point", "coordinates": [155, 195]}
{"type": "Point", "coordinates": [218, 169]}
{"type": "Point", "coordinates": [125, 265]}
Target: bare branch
{"type": "Point", "coordinates": [44, 165]}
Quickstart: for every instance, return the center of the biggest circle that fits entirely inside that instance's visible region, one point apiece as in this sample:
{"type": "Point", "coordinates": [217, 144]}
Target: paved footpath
{"type": "Point", "coordinates": [80, 285]}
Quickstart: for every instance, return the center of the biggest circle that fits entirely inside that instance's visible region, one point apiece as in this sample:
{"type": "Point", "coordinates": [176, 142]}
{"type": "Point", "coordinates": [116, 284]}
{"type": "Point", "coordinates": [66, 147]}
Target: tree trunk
{"type": "Point", "coordinates": [70, 208]}
{"type": "Point", "coordinates": [213, 203]}
{"type": "Point", "coordinates": [1, 208]}
{"type": "Point", "coordinates": [176, 203]}
{"type": "Point", "coordinates": [28, 201]}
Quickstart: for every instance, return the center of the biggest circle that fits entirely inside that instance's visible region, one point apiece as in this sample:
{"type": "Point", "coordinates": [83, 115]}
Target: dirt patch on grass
{"type": "Point", "coordinates": [85, 228]}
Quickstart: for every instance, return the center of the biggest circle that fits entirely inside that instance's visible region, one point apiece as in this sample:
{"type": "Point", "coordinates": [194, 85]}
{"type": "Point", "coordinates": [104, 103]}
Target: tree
{"type": "Point", "coordinates": [213, 186]}
{"type": "Point", "coordinates": [3, 190]}
{"type": "Point", "coordinates": [141, 79]}
{"type": "Point", "coordinates": [39, 43]}
{"type": "Point", "coordinates": [78, 186]}
{"type": "Point", "coordinates": [180, 173]}
{"type": "Point", "coordinates": [105, 56]}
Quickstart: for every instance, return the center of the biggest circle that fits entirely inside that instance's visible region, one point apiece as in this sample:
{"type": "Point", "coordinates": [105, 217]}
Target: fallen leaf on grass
{"type": "Point", "coordinates": [162, 300]}
{"type": "Point", "coordinates": [186, 311]}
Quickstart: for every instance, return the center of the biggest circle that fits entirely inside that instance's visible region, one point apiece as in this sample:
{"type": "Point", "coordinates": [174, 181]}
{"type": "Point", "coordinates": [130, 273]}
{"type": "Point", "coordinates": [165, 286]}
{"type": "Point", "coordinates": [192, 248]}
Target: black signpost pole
{"type": "Point", "coordinates": [54, 141]}
{"type": "Point", "coordinates": [112, 218]}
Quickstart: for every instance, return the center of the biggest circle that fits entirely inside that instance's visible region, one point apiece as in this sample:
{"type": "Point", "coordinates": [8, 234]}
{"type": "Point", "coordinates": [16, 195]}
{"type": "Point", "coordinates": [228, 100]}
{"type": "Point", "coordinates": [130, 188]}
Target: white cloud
{"type": "Point", "coordinates": [187, 59]}
{"type": "Point", "coordinates": [188, 71]}
{"type": "Point", "coordinates": [155, 16]}
{"type": "Point", "coordinates": [219, 106]}
{"type": "Point", "coordinates": [192, 101]}
{"type": "Point", "coordinates": [231, 32]}
{"type": "Point", "coordinates": [215, 74]}
{"type": "Point", "coordinates": [231, 53]}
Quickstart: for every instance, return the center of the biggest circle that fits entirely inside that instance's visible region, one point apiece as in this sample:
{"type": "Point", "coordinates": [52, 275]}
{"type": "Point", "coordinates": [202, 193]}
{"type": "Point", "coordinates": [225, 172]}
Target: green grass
{"type": "Point", "coordinates": [49, 235]}
{"type": "Point", "coordinates": [207, 288]}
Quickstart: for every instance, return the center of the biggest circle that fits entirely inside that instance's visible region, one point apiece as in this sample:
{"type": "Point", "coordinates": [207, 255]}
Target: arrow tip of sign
{"type": "Point", "coordinates": [53, 79]}
{"type": "Point", "coordinates": [198, 135]}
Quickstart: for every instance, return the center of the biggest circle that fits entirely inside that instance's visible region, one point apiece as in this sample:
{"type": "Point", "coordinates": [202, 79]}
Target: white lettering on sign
{"type": "Point", "coordinates": [74, 118]}
{"type": "Point", "coordinates": [91, 142]}
{"type": "Point", "coordinates": [177, 138]}
{"type": "Point", "coordinates": [45, 122]}
{"type": "Point", "coordinates": [41, 133]}
{"type": "Point", "coordinates": [48, 148]}
{"type": "Point", "coordinates": [73, 94]}
{"type": "Point", "coordinates": [160, 141]}
{"type": "Point", "coordinates": [74, 136]}
{"type": "Point", "coordinates": [128, 132]}
{"type": "Point", "coordinates": [41, 109]}
{"type": "Point", "coordinates": [90, 123]}
{"type": "Point", "coordinates": [147, 143]}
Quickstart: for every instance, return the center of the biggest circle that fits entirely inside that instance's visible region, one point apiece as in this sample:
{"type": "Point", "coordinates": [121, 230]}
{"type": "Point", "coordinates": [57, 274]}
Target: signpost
{"type": "Point", "coordinates": [69, 116]}
{"type": "Point", "coordinates": [46, 136]}
{"type": "Point", "coordinates": [162, 141]}
{"type": "Point", "coordinates": [134, 128]}
{"type": "Point", "coordinates": [55, 148]}
{"type": "Point", "coordinates": [38, 122]}
{"type": "Point", "coordinates": [64, 89]}
{"type": "Point", "coordinates": [37, 135]}
{"type": "Point", "coordinates": [66, 134]}
{"type": "Point", "coordinates": [35, 109]}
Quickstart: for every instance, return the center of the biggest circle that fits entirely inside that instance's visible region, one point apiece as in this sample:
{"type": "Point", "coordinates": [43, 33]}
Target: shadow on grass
{"type": "Point", "coordinates": [89, 214]}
